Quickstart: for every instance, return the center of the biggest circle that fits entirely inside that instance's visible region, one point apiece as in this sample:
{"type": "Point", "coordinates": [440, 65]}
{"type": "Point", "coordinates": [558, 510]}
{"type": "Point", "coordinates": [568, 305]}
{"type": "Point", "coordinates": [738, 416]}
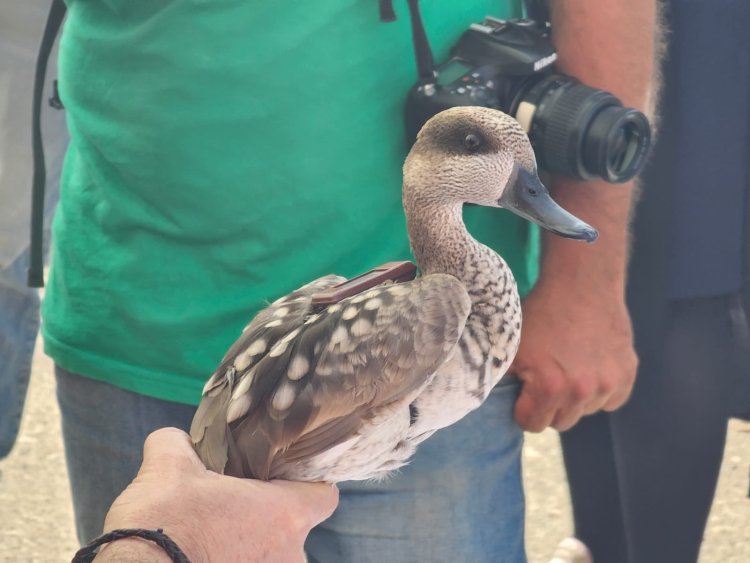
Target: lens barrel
{"type": "Point", "coordinates": [583, 132]}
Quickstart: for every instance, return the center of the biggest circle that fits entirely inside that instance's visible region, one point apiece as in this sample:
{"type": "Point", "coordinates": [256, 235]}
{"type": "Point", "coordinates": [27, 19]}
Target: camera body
{"type": "Point", "coordinates": [577, 131]}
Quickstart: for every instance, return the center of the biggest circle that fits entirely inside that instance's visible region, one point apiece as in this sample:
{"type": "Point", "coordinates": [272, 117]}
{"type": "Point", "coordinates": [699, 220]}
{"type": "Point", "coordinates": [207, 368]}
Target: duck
{"type": "Point", "coordinates": [348, 390]}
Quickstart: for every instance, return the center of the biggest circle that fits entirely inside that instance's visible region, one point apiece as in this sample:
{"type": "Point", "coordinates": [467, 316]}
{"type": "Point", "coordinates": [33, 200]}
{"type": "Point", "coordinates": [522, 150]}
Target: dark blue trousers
{"type": "Point", "coordinates": [642, 479]}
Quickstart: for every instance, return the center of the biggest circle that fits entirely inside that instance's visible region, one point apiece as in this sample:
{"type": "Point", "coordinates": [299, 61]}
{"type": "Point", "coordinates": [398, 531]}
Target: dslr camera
{"type": "Point", "coordinates": [576, 131]}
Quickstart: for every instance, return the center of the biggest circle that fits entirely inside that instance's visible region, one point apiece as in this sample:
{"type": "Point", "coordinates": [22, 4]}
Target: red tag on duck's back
{"type": "Point", "coordinates": [396, 272]}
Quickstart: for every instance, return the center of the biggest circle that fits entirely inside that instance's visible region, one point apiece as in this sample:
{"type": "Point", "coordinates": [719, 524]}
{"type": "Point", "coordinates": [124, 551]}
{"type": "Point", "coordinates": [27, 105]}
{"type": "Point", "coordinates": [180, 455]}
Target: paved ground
{"type": "Point", "coordinates": [36, 519]}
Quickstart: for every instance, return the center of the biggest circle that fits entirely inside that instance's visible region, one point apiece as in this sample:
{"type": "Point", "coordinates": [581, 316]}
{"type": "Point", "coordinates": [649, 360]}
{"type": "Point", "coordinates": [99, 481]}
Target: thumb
{"type": "Point", "coordinates": [318, 500]}
{"type": "Point", "coordinates": [169, 449]}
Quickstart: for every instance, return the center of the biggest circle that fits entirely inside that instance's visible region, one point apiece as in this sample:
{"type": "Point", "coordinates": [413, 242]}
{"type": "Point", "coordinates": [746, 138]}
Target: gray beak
{"type": "Point", "coordinates": [526, 196]}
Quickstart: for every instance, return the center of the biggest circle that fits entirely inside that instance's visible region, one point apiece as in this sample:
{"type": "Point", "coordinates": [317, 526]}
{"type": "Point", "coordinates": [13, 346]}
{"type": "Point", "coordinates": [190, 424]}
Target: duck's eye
{"type": "Point", "coordinates": [472, 142]}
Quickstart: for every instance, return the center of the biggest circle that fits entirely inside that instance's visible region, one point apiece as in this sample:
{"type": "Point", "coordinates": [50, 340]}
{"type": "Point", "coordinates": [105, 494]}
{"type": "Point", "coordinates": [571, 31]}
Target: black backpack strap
{"type": "Point", "coordinates": [36, 261]}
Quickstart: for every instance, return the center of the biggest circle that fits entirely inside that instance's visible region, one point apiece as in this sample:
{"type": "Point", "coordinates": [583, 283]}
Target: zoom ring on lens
{"type": "Point", "coordinates": [567, 115]}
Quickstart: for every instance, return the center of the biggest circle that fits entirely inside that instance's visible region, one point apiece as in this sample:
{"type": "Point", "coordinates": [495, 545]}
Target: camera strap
{"type": "Point", "coordinates": [537, 10]}
{"type": "Point", "coordinates": [422, 51]}
{"type": "Point", "coordinates": [36, 261]}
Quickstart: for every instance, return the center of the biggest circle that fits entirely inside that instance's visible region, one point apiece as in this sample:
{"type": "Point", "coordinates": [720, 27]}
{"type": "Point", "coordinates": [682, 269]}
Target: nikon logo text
{"type": "Point", "coordinates": [545, 61]}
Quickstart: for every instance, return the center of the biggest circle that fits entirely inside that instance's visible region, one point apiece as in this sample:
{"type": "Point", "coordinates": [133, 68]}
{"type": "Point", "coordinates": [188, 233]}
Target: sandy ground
{"type": "Point", "coordinates": [36, 517]}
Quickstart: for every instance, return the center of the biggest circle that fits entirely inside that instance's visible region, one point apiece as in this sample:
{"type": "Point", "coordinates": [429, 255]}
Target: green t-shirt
{"type": "Point", "coordinates": [222, 154]}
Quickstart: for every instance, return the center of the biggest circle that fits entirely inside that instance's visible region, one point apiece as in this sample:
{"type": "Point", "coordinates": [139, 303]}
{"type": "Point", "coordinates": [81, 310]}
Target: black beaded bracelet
{"type": "Point", "coordinates": [87, 553]}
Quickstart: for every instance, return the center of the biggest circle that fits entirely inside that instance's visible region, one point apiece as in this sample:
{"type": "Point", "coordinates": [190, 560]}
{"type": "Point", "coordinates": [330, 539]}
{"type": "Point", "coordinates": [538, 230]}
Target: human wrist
{"type": "Point", "coordinates": [132, 550]}
{"type": "Point", "coordinates": [125, 545]}
{"type": "Point", "coordinates": [602, 265]}
{"type": "Point", "coordinates": [581, 272]}
{"type": "Point", "coordinates": [149, 510]}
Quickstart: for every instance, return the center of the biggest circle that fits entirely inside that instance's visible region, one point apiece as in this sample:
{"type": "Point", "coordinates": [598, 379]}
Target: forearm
{"type": "Point", "coordinates": [608, 44]}
{"type": "Point", "coordinates": [597, 270]}
{"type": "Point", "coordinates": [612, 45]}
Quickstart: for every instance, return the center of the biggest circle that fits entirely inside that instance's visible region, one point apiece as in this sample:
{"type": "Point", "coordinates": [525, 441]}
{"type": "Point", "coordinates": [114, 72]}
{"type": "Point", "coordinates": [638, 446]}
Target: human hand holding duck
{"type": "Point", "coordinates": [229, 519]}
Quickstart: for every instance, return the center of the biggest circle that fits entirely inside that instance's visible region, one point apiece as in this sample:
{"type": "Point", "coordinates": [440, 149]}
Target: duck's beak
{"type": "Point", "coordinates": [525, 195]}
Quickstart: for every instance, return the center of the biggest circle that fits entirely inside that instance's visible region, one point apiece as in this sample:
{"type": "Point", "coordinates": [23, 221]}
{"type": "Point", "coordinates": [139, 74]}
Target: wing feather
{"type": "Point", "coordinates": [322, 376]}
{"type": "Point", "coordinates": [209, 426]}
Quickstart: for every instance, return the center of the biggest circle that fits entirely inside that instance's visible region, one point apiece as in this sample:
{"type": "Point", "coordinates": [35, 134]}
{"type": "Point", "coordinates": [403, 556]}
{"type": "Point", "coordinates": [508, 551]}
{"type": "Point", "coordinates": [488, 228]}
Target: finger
{"type": "Point", "coordinates": [623, 386]}
{"type": "Point", "coordinates": [584, 398]}
{"type": "Point", "coordinates": [619, 394]}
{"type": "Point", "coordinates": [169, 449]}
{"type": "Point", "coordinates": [318, 500]}
{"type": "Point", "coordinates": [592, 407]}
{"type": "Point", "coordinates": [534, 412]}
{"type": "Point", "coordinates": [616, 400]}
{"type": "Point", "coordinates": [589, 399]}
{"type": "Point", "coordinates": [565, 419]}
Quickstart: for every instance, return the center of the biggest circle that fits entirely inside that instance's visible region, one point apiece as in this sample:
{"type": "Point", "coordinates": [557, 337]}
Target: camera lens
{"type": "Point", "coordinates": [582, 132]}
{"type": "Point", "coordinates": [616, 143]}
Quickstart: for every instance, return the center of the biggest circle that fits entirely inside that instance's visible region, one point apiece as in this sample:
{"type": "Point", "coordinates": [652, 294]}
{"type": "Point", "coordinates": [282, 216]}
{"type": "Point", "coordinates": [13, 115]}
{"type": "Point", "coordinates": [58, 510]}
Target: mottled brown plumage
{"type": "Point", "coordinates": [350, 391]}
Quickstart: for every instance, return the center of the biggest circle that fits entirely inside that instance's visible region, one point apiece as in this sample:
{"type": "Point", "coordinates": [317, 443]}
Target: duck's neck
{"type": "Point", "coordinates": [442, 244]}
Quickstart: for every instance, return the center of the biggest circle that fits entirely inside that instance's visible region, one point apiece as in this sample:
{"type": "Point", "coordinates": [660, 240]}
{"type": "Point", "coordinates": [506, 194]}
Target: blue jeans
{"type": "Point", "coordinates": [642, 478]}
{"type": "Point", "coordinates": [19, 323]}
{"type": "Point", "coordinates": [21, 25]}
{"type": "Point", "coordinates": [104, 428]}
{"type": "Point", "coordinates": [459, 501]}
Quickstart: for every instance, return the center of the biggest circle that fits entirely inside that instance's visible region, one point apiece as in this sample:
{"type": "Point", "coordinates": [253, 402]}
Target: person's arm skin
{"type": "Point", "coordinates": [212, 517]}
{"type": "Point", "coordinates": [576, 355]}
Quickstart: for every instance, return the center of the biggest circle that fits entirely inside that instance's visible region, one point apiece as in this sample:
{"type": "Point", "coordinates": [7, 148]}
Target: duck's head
{"type": "Point", "coordinates": [483, 156]}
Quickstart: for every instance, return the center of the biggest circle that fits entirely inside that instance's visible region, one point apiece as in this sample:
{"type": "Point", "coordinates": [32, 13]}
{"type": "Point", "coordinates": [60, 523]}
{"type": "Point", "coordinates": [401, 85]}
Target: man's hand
{"type": "Point", "coordinates": [576, 356]}
{"type": "Point", "coordinates": [212, 517]}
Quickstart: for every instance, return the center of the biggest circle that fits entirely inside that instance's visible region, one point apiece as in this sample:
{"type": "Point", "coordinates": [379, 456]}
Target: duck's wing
{"type": "Point", "coordinates": [209, 425]}
{"type": "Point", "coordinates": [327, 373]}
